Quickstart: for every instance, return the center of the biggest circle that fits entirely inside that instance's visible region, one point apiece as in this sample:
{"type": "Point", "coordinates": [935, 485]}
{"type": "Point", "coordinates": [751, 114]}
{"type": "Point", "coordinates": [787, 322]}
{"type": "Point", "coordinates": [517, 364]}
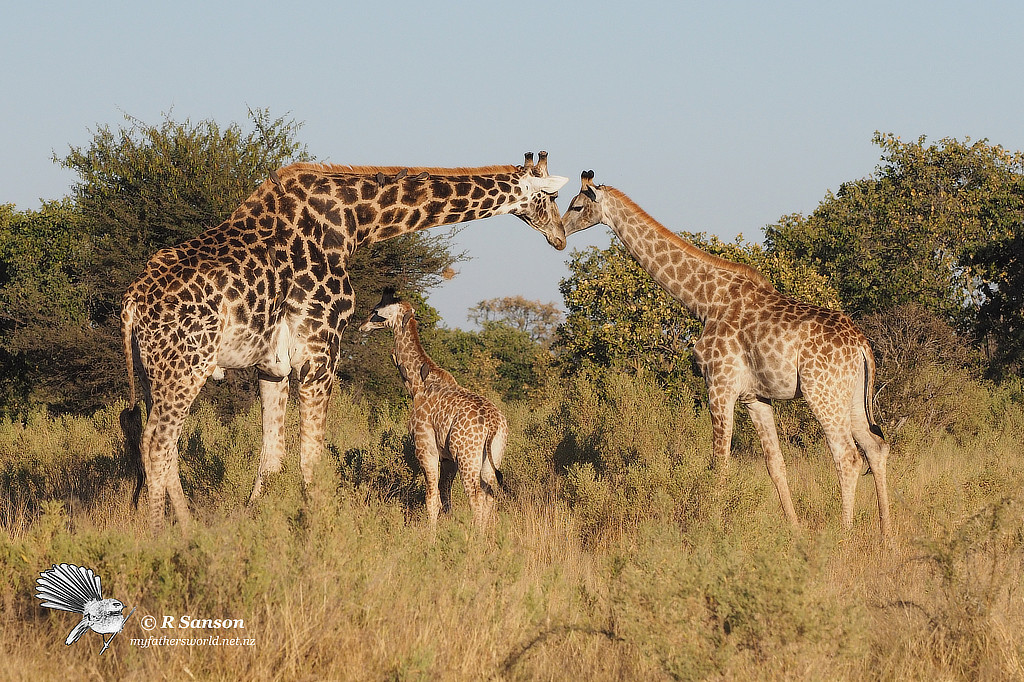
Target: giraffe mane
{"type": "Point", "coordinates": [412, 328]}
{"type": "Point", "coordinates": [716, 261]}
{"type": "Point", "coordinates": [341, 169]}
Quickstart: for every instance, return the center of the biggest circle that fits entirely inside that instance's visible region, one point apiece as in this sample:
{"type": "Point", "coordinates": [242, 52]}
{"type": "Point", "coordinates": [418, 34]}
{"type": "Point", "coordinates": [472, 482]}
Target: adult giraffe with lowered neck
{"type": "Point", "coordinates": [757, 345]}
{"type": "Point", "coordinates": [267, 288]}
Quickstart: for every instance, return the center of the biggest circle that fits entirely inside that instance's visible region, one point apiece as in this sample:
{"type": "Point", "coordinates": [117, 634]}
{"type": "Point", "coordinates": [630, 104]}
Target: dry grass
{"type": "Point", "coordinates": [606, 561]}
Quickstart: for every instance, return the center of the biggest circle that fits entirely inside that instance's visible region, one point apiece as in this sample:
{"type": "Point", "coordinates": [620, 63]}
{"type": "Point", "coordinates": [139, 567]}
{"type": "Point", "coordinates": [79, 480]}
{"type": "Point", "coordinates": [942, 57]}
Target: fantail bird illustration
{"type": "Point", "coordinates": [73, 588]}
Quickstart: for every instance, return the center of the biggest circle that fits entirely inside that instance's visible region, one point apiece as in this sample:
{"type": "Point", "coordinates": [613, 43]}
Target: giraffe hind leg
{"type": "Point", "coordinates": [876, 451]}
{"type": "Point", "coordinates": [160, 454]}
{"type": "Point", "coordinates": [448, 470]}
{"type": "Point", "coordinates": [160, 450]}
{"type": "Point", "coordinates": [469, 454]}
{"type": "Point", "coordinates": [839, 437]}
{"type": "Point", "coordinates": [847, 461]}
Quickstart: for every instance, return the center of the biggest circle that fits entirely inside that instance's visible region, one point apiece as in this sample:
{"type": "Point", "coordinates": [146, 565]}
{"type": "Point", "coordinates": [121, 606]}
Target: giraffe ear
{"type": "Point", "coordinates": [424, 371]}
{"type": "Point", "coordinates": [549, 184]}
{"type": "Point", "coordinates": [405, 319]}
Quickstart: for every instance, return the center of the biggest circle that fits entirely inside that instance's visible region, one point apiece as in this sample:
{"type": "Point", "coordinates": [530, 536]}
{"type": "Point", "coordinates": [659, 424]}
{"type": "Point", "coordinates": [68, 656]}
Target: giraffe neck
{"type": "Point", "coordinates": [699, 280]}
{"type": "Point", "coordinates": [411, 358]}
{"type": "Point", "coordinates": [362, 205]}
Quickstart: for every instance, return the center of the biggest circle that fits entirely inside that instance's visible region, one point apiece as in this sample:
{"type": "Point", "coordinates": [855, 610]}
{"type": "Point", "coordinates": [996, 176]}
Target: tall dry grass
{"type": "Point", "coordinates": [608, 558]}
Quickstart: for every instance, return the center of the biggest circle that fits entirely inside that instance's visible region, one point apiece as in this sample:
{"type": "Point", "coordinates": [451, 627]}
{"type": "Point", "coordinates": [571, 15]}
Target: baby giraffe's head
{"type": "Point", "coordinates": [390, 312]}
{"type": "Point", "coordinates": [400, 317]}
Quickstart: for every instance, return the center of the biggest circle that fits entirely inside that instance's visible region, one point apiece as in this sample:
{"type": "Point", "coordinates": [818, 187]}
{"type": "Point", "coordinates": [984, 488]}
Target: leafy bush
{"type": "Point", "coordinates": [926, 375]}
{"type": "Point", "coordinates": [66, 457]}
{"type": "Point", "coordinates": [602, 563]}
{"type": "Point", "coordinates": [386, 469]}
{"type": "Point", "coordinates": [628, 452]}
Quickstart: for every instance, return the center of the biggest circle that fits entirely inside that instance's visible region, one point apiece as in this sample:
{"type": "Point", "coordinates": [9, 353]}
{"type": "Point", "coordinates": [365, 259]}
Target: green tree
{"type": "Point", "coordinates": [617, 316]}
{"type": "Point", "coordinates": [538, 320]}
{"type": "Point", "coordinates": [905, 233]}
{"type": "Point", "coordinates": [39, 291]}
{"type": "Point", "coordinates": [1000, 318]}
{"type": "Point", "coordinates": [497, 358]}
{"type": "Point", "coordinates": [142, 188]}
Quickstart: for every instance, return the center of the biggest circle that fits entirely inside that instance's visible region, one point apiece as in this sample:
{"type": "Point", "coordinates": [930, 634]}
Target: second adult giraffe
{"type": "Point", "coordinates": [267, 288]}
{"type": "Point", "coordinates": [756, 345]}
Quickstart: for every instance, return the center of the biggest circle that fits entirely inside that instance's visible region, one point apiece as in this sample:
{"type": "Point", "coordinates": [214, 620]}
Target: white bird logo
{"type": "Point", "coordinates": [73, 588]}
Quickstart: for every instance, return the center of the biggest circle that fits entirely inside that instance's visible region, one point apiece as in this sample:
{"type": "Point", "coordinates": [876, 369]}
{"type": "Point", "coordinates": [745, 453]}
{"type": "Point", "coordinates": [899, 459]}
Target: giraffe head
{"type": "Point", "coordinates": [396, 314]}
{"type": "Point", "coordinates": [537, 207]}
{"type": "Point", "coordinates": [390, 312]}
{"type": "Point", "coordinates": [585, 209]}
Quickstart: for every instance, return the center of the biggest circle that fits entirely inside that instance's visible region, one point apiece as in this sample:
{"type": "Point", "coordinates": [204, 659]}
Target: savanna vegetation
{"type": "Point", "coordinates": [616, 552]}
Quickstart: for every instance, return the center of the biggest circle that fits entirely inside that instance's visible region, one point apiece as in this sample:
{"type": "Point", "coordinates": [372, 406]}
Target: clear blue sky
{"type": "Point", "coordinates": [713, 116]}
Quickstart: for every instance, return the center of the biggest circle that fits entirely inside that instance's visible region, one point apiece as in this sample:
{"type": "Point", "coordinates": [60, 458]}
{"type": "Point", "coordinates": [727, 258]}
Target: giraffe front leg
{"type": "Point", "coordinates": [764, 423]}
{"type": "Point", "coordinates": [274, 400]}
{"type": "Point", "coordinates": [721, 403]}
{"type": "Point", "coordinates": [430, 459]}
{"type": "Point", "coordinates": [316, 379]}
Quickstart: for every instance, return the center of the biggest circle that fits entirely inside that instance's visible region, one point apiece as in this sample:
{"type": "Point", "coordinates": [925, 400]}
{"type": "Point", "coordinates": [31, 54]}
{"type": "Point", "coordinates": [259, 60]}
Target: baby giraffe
{"type": "Point", "coordinates": [455, 430]}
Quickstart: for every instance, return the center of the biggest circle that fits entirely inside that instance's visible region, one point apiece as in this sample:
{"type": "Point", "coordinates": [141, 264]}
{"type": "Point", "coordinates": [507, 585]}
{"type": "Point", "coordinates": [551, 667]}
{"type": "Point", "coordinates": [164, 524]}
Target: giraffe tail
{"type": "Point", "coordinates": [869, 389]}
{"type": "Point", "coordinates": [131, 416]}
{"type": "Point", "coordinates": [494, 449]}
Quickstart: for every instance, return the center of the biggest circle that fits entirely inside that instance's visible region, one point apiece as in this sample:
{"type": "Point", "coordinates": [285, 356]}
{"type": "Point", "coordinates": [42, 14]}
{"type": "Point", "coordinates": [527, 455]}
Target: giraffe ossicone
{"type": "Point", "coordinates": [757, 345]}
{"type": "Point", "coordinates": [268, 288]}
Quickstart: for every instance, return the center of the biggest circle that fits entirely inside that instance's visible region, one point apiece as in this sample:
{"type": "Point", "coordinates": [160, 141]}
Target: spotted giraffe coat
{"type": "Point", "coordinates": [268, 288]}
{"type": "Point", "coordinates": [757, 345]}
{"type": "Point", "coordinates": [454, 428]}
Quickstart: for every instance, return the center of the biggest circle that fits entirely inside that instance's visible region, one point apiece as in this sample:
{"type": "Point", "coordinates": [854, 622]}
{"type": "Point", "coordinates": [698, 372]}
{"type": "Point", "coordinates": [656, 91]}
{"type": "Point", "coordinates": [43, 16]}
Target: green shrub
{"type": "Point", "coordinates": [629, 451]}
{"type": "Point", "coordinates": [927, 378]}
{"type": "Point", "coordinates": [63, 457]}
